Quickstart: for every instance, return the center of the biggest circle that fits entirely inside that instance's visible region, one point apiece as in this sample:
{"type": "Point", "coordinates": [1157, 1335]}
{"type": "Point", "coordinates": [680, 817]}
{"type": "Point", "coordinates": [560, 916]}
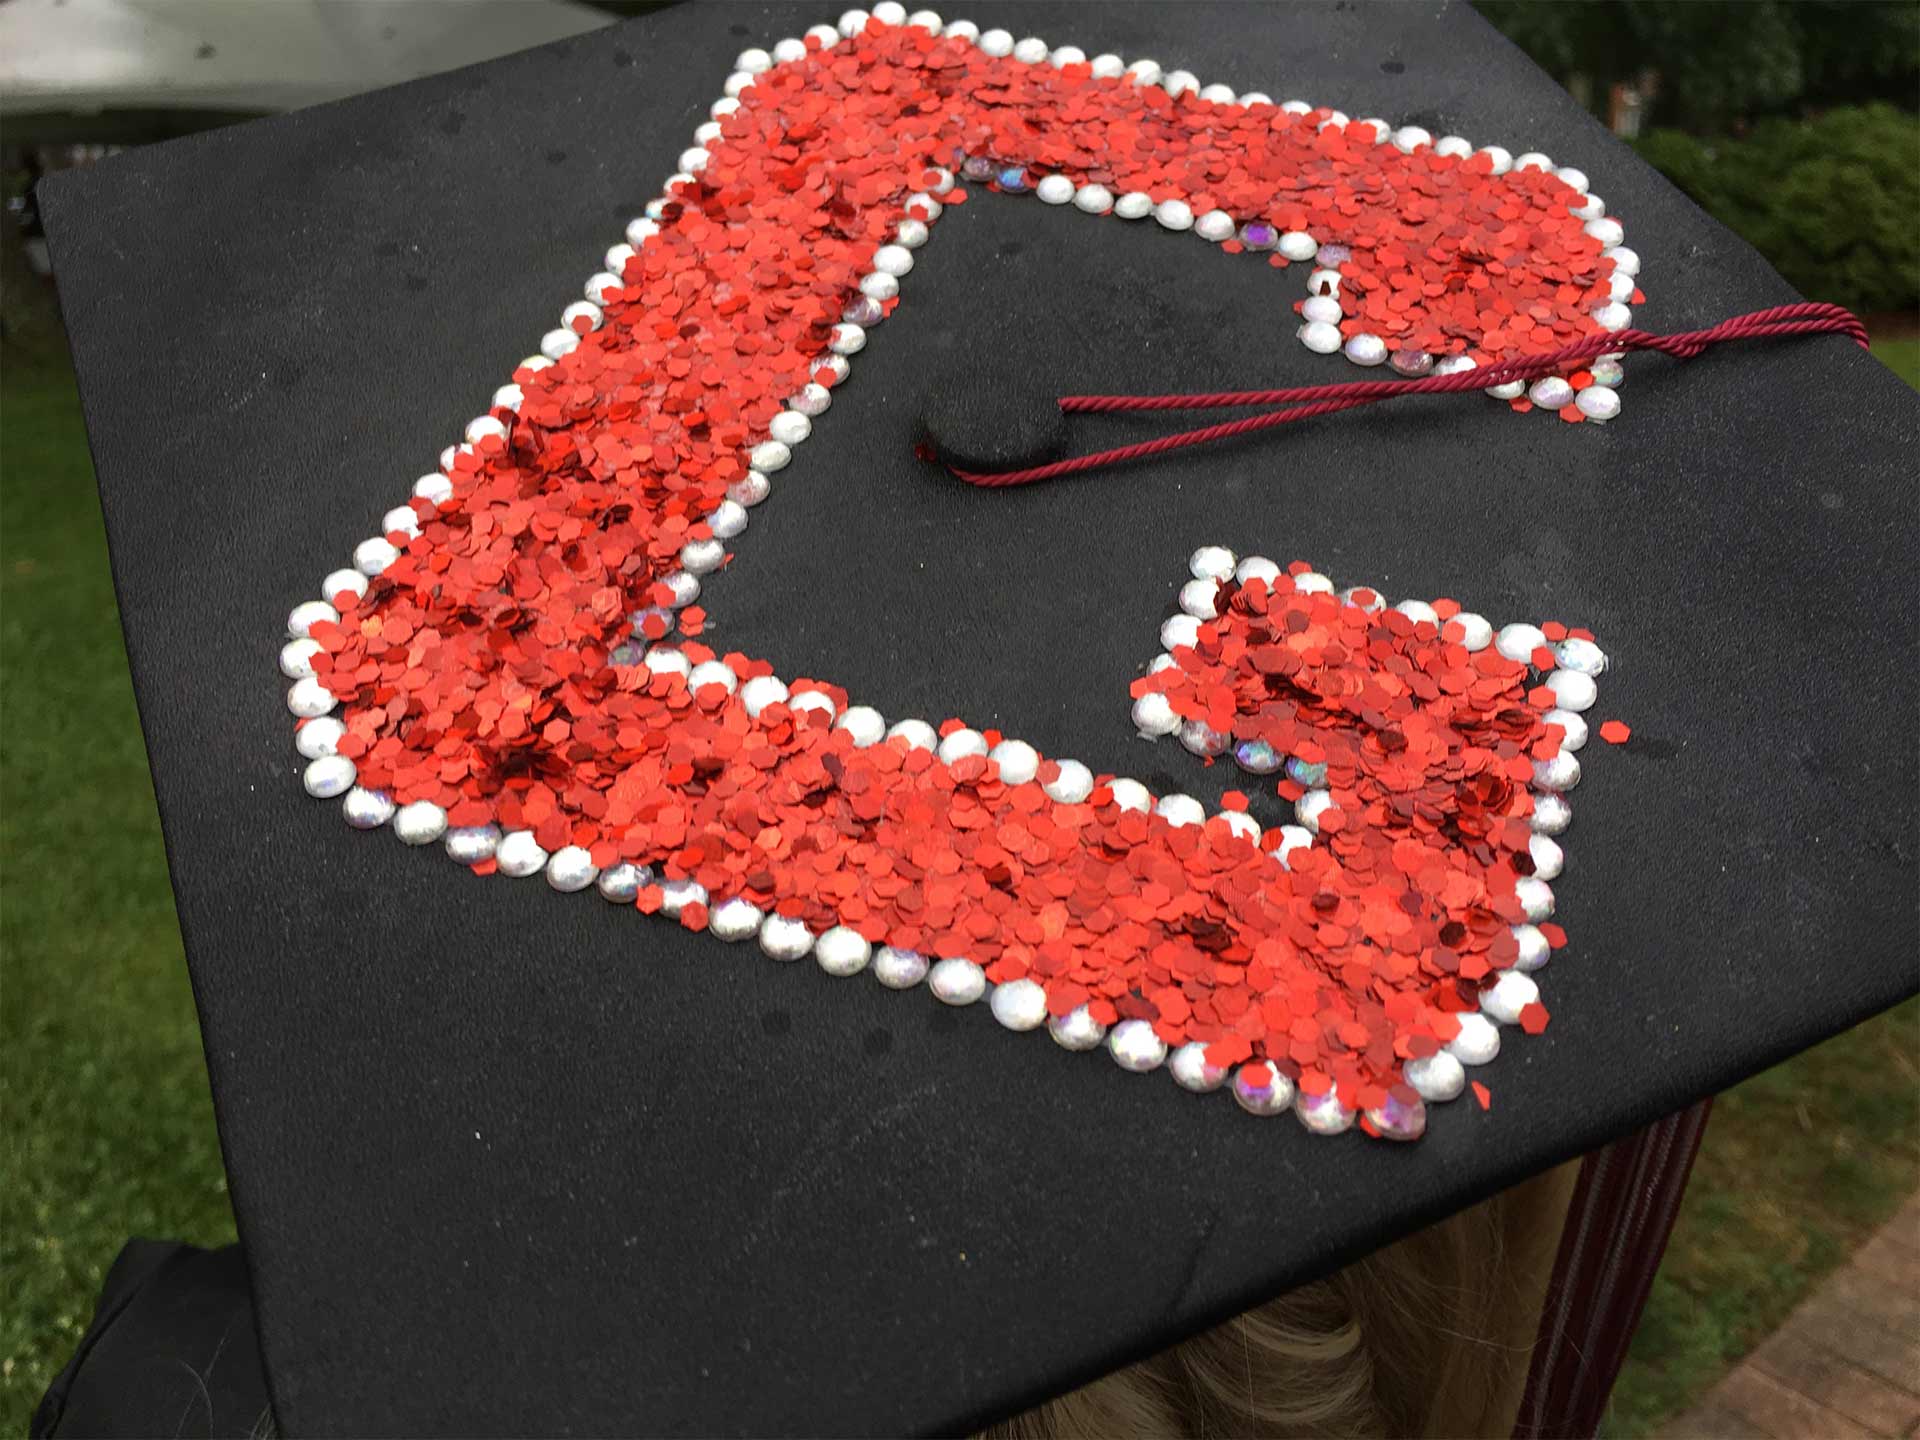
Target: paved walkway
{"type": "Point", "coordinates": [1846, 1366]}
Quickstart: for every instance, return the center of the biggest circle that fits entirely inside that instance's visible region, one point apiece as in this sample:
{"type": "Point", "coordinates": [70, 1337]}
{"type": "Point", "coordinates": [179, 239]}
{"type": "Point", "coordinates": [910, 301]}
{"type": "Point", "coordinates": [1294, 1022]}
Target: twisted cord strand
{"type": "Point", "coordinates": [1306, 402]}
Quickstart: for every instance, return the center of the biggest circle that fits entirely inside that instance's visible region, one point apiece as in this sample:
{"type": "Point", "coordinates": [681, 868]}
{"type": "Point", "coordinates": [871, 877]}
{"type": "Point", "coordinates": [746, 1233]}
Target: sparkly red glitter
{"type": "Point", "coordinates": [479, 670]}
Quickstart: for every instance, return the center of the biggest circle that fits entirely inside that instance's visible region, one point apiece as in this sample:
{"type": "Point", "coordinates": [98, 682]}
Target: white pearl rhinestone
{"type": "Point", "coordinates": [473, 844]}
{"type": "Point", "coordinates": [1533, 160]}
{"type": "Point", "coordinates": [1409, 138]}
{"type": "Point", "coordinates": [1054, 190]}
{"type": "Point", "coordinates": [864, 724]}
{"type": "Point", "coordinates": [960, 744]}
{"type": "Point", "coordinates": [1107, 67]}
{"type": "Point", "coordinates": [1179, 630]}
{"type": "Point", "coordinates": [1135, 1047]}
{"type": "Point", "coordinates": [1590, 207]}
{"type": "Point", "coordinates": [1145, 72]}
{"type": "Point", "coordinates": [367, 809]}
{"type": "Point", "coordinates": [911, 233]}
{"type": "Point", "coordinates": [1502, 159]}
{"type": "Point", "coordinates": [1613, 316]}
{"type": "Point", "coordinates": [1436, 1077]}
{"type": "Point", "coordinates": [879, 286]}
{"type": "Point", "coordinates": [1476, 631]}
{"type": "Point", "coordinates": [665, 660]}
{"type": "Point", "coordinates": [1191, 1071]}
{"type": "Point", "coordinates": [1510, 994]}
{"type": "Point", "coordinates": [1256, 567]}
{"type": "Point", "coordinates": [1573, 729]}
{"type": "Point", "coordinates": [1093, 199]}
{"type": "Point", "coordinates": [517, 853]}
{"type": "Point", "coordinates": [1217, 94]}
{"type": "Point", "coordinates": [571, 869]}
{"type": "Point", "coordinates": [1321, 310]}
{"type": "Point", "coordinates": [1455, 364]}
{"type": "Point", "coordinates": [769, 456]}
{"type": "Point", "coordinates": [957, 982]}
{"type": "Point", "coordinates": [1152, 715]}
{"type": "Point", "coordinates": [789, 50]}
{"type": "Point", "coordinates": [894, 260]}
{"type": "Point", "coordinates": [917, 733]}
{"type": "Point", "coordinates": [1312, 582]}
{"type": "Point", "coordinates": [1180, 82]}
{"type": "Point", "coordinates": [1320, 337]}
{"type": "Point", "coordinates": [735, 920]}
{"type": "Point", "coordinates": [702, 557]}
{"type": "Point", "coordinates": [782, 937]}
{"type": "Point", "coordinates": [602, 286]}
{"type": "Point", "coordinates": [328, 776]}
{"type": "Point", "coordinates": [616, 260]}
{"type": "Point", "coordinates": [899, 969]}
{"type": "Point", "coordinates": [1562, 772]}
{"type": "Point", "coordinates": [436, 488]}
{"type": "Point", "coordinates": [1071, 785]}
{"type": "Point", "coordinates": [1210, 562]}
{"type": "Point", "coordinates": [1579, 655]}
{"type": "Point", "coordinates": [309, 699]}
{"type": "Point", "coordinates": [847, 340]}
{"type": "Point", "coordinates": [1323, 1114]}
{"type": "Point", "coordinates": [1215, 225]}
{"type": "Point", "coordinates": [1572, 690]}
{"type": "Point", "coordinates": [507, 397]}
{"type": "Point", "coordinates": [1625, 261]}
{"type": "Point", "coordinates": [1419, 611]}
{"type": "Point", "coordinates": [1134, 205]}
{"type": "Point", "coordinates": [1298, 245]}
{"type": "Point", "coordinates": [344, 580]}
{"type": "Point", "coordinates": [1535, 897]}
{"type": "Point", "coordinates": [618, 884]}
{"type": "Point", "coordinates": [1174, 215]}
{"type": "Point", "coordinates": [842, 951]}
{"type": "Point", "coordinates": [1606, 230]}
{"type": "Point", "coordinates": [1519, 640]}
{"type": "Point", "coordinates": [1018, 761]}
{"type": "Point", "coordinates": [559, 343]}
{"type": "Point", "coordinates": [962, 30]}
{"type": "Point", "coordinates": [1548, 858]}
{"type": "Point", "coordinates": [1271, 1094]}
{"type": "Point", "coordinates": [1551, 392]}
{"type": "Point", "coordinates": [1130, 795]}
{"type": "Point", "coordinates": [996, 42]}
{"type": "Point", "coordinates": [1197, 598]}
{"type": "Point", "coordinates": [1019, 1005]}
{"type": "Point", "coordinates": [374, 554]}
{"type": "Point", "coordinates": [1254, 97]}
{"type": "Point", "coordinates": [1478, 1041]}
{"type": "Point", "coordinates": [1366, 350]}
{"type": "Point", "coordinates": [808, 701]}
{"type": "Point", "coordinates": [760, 692]}
{"type": "Point", "coordinates": [1454, 147]}
{"type": "Point", "coordinates": [1076, 1030]}
{"type": "Point", "coordinates": [1598, 402]}
{"type": "Point", "coordinates": [1382, 131]}
{"type": "Point", "coordinates": [1534, 949]}
{"type": "Point", "coordinates": [1200, 738]}
{"type": "Point", "coordinates": [420, 823]}
{"type": "Point", "coordinates": [578, 310]}
{"type": "Point", "coordinates": [296, 658]}
{"type": "Point", "coordinates": [928, 20]}
{"type": "Point", "coordinates": [675, 895]}
{"type": "Point", "coordinates": [487, 427]}
{"type": "Point", "coordinates": [1180, 811]}
{"type": "Point", "coordinates": [890, 12]}
{"type": "Point", "coordinates": [1292, 838]}
{"type": "Point", "coordinates": [1030, 51]}
{"type": "Point", "coordinates": [1310, 807]}
{"type": "Point", "coordinates": [1551, 814]}
{"type": "Point", "coordinates": [319, 737]}
{"type": "Point", "coordinates": [750, 489]}
{"type": "Point", "coordinates": [1512, 390]}
{"type": "Point", "coordinates": [712, 672]}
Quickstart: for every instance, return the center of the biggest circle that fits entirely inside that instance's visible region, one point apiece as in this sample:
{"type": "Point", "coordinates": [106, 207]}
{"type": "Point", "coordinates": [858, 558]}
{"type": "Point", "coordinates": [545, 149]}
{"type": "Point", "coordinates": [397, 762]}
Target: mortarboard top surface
{"type": "Point", "coordinates": [505, 1160]}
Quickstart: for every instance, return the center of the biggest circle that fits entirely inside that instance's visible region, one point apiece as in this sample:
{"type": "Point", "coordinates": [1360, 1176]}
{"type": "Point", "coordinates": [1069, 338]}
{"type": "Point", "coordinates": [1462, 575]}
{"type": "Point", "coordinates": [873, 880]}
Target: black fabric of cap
{"type": "Point", "coordinates": [510, 1161]}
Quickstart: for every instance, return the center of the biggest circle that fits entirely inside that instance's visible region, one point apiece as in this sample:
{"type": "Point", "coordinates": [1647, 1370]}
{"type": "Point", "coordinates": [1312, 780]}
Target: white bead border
{"type": "Point", "coordinates": [841, 951]}
{"type": "Point", "coordinates": [1574, 682]}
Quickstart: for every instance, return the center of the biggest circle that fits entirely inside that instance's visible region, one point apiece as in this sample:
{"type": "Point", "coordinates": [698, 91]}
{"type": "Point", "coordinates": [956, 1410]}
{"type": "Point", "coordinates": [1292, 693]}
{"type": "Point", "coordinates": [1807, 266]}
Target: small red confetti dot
{"type": "Point", "coordinates": [1615, 732]}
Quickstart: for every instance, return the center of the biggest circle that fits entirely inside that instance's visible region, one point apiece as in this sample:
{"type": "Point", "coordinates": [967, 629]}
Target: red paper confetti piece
{"type": "Point", "coordinates": [1483, 1095]}
{"type": "Point", "coordinates": [1615, 732]}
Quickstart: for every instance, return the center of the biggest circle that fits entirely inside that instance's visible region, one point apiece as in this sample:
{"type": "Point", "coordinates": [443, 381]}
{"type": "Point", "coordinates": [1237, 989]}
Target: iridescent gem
{"type": "Point", "coordinates": [1076, 1030]}
{"type": "Point", "coordinates": [1310, 774]}
{"type": "Point", "coordinates": [977, 167]}
{"type": "Point", "coordinates": [1013, 180]}
{"type": "Point", "coordinates": [1191, 1070]}
{"type": "Point", "coordinates": [1412, 363]}
{"type": "Point", "coordinates": [863, 310]}
{"type": "Point", "coordinates": [1332, 256]}
{"type": "Point", "coordinates": [1403, 1117]}
{"type": "Point", "coordinates": [1259, 235]}
{"type": "Point", "coordinates": [1261, 1089]}
{"type": "Point", "coordinates": [1256, 757]}
{"type": "Point", "coordinates": [1323, 1114]}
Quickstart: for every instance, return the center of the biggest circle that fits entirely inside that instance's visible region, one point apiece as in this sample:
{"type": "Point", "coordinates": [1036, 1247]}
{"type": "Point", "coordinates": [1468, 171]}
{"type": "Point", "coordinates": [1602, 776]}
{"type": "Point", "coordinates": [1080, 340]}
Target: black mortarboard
{"type": "Point", "coordinates": [508, 1159]}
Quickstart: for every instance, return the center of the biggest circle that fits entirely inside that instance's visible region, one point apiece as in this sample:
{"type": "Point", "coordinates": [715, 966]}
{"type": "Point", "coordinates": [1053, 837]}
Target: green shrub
{"type": "Point", "coordinates": [1833, 202]}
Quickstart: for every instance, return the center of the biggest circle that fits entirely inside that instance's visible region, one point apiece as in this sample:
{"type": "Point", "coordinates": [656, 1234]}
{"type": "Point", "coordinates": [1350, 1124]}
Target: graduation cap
{"type": "Point", "coordinates": [506, 1156]}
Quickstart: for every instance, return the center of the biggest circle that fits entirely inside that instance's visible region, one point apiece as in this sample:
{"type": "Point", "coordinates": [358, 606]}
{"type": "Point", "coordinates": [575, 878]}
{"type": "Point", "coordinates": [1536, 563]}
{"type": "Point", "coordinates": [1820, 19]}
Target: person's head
{"type": "Point", "coordinates": [1430, 1336]}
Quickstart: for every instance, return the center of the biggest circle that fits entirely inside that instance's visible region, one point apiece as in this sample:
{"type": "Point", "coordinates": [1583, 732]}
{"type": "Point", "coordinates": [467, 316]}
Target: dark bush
{"type": "Point", "coordinates": [1833, 202]}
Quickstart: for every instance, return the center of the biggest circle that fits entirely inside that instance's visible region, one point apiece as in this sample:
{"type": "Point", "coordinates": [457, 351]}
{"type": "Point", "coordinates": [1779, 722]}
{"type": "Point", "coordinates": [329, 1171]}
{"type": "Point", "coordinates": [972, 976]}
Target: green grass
{"type": "Point", "coordinates": [104, 1092]}
{"type": "Point", "coordinates": [103, 1089]}
{"type": "Point", "coordinates": [1902, 357]}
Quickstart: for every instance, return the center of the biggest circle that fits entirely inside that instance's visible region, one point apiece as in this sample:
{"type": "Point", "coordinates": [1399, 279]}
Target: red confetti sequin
{"type": "Point", "coordinates": [484, 669]}
{"type": "Point", "coordinates": [1615, 732]}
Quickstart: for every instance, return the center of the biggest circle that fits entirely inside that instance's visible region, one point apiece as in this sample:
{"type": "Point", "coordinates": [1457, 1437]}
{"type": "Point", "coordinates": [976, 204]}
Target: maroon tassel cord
{"type": "Point", "coordinates": [1307, 401]}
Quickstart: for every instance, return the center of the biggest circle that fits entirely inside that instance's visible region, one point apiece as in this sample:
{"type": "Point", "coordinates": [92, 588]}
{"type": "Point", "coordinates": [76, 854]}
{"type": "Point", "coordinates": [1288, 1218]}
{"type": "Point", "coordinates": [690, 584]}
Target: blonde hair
{"type": "Point", "coordinates": [1430, 1336]}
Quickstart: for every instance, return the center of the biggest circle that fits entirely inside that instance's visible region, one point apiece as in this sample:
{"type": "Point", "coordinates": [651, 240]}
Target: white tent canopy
{"type": "Point", "coordinates": [84, 56]}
